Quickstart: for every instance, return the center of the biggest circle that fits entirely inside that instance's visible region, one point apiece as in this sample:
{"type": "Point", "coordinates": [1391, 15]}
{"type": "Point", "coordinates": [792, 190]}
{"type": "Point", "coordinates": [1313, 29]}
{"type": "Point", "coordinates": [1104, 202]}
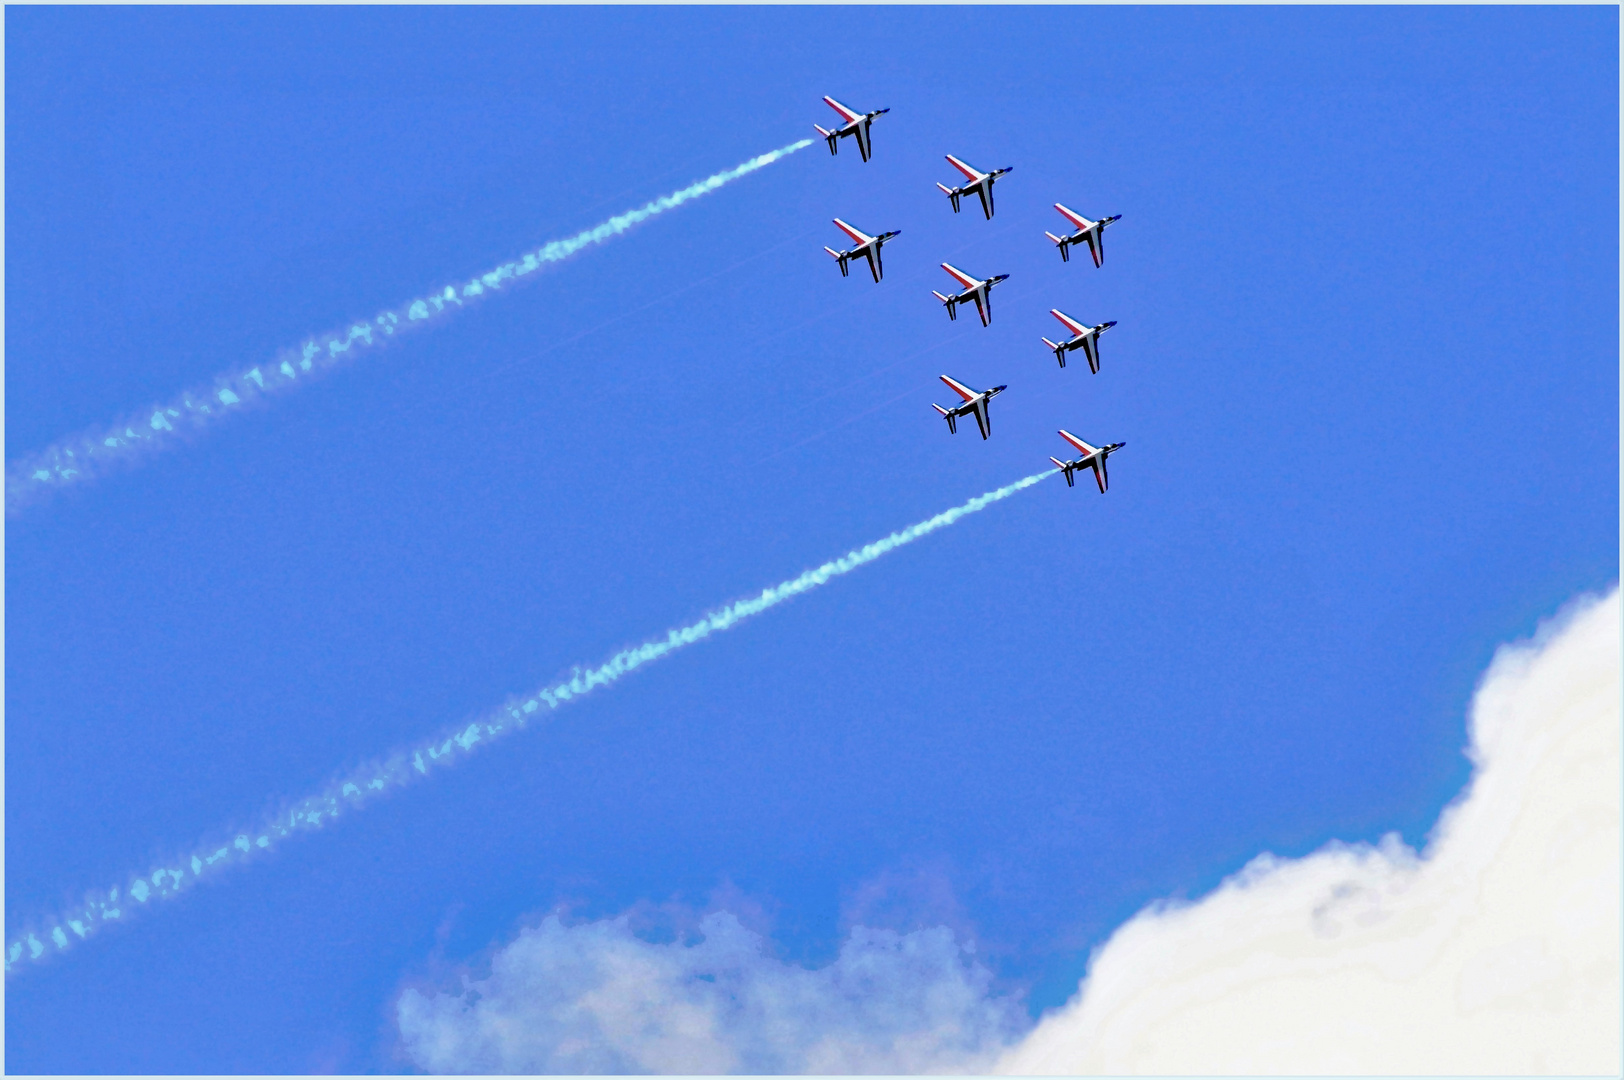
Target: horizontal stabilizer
{"type": "Point", "coordinates": [945, 189]}
{"type": "Point", "coordinates": [938, 408]}
{"type": "Point", "coordinates": [822, 132]}
{"type": "Point", "coordinates": [939, 296]}
{"type": "Point", "coordinates": [1046, 341]}
{"type": "Point", "coordinates": [832, 251]}
{"type": "Point", "coordinates": [1051, 236]}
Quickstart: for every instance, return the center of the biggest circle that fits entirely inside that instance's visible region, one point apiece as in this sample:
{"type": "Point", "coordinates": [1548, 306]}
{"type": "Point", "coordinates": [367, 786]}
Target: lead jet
{"type": "Point", "coordinates": [1093, 457]}
{"type": "Point", "coordinates": [976, 291]}
{"type": "Point", "coordinates": [867, 247]}
{"type": "Point", "coordinates": [1091, 232]}
{"type": "Point", "coordinates": [979, 182]}
{"type": "Point", "coordinates": [975, 404]}
{"type": "Point", "coordinates": [856, 123]}
{"type": "Point", "coordinates": [1086, 338]}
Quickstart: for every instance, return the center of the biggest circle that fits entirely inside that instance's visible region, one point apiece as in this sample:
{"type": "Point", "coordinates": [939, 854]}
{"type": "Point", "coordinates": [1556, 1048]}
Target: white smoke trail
{"type": "Point", "coordinates": [82, 457]}
{"type": "Point", "coordinates": [360, 786]}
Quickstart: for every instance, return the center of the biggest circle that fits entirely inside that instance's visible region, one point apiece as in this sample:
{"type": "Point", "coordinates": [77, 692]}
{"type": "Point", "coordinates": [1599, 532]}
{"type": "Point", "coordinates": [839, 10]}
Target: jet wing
{"type": "Point", "coordinates": [985, 191]}
{"type": "Point", "coordinates": [1096, 245]}
{"type": "Point", "coordinates": [968, 171]}
{"type": "Point", "coordinates": [873, 253]}
{"type": "Point", "coordinates": [1099, 473]}
{"type": "Point", "coordinates": [1091, 351]}
{"type": "Point", "coordinates": [1070, 323]}
{"type": "Point", "coordinates": [863, 147]}
{"type": "Point", "coordinates": [959, 388]}
{"type": "Point", "coordinates": [857, 235]}
{"type": "Point", "coordinates": [983, 299]}
{"type": "Point", "coordinates": [964, 279]}
{"type": "Point", "coordinates": [1078, 443]}
{"type": "Point", "coordinates": [841, 109]}
{"type": "Point", "coordinates": [1071, 215]}
{"type": "Point", "coordinates": [982, 419]}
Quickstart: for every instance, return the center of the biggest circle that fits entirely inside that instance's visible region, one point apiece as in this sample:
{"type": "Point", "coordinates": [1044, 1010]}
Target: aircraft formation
{"type": "Point", "coordinates": [978, 291]}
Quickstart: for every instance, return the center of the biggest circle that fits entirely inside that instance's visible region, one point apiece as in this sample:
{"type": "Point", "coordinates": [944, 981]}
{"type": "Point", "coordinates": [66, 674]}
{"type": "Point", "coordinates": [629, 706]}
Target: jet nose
{"type": "Point", "coordinates": [998, 389]}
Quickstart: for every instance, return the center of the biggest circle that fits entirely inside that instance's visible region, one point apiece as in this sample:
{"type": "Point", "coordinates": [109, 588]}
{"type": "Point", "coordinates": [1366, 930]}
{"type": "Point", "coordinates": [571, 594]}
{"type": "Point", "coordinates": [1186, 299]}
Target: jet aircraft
{"type": "Point", "coordinates": [975, 404]}
{"type": "Point", "coordinates": [975, 291]}
{"type": "Point", "coordinates": [1087, 338]}
{"type": "Point", "coordinates": [1091, 232]}
{"type": "Point", "coordinates": [867, 247]}
{"type": "Point", "coordinates": [979, 182]}
{"type": "Point", "coordinates": [1093, 457]}
{"type": "Point", "coordinates": [856, 124]}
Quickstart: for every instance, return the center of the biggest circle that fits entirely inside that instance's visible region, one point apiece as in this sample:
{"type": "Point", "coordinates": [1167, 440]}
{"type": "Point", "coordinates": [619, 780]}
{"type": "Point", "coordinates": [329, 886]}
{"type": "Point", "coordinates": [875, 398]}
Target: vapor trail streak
{"type": "Point", "coordinates": [359, 787]}
{"type": "Point", "coordinates": [83, 457]}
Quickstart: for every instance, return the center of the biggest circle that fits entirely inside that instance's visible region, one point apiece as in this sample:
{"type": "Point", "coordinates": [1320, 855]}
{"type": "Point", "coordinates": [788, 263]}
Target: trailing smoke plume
{"type": "Point", "coordinates": [83, 457]}
{"type": "Point", "coordinates": [361, 786]}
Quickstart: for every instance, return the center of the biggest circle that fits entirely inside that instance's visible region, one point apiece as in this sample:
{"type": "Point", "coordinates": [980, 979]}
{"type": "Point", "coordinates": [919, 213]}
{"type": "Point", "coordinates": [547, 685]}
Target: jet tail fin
{"type": "Point", "coordinates": [1061, 465]}
{"type": "Point", "coordinates": [829, 137]}
{"type": "Point", "coordinates": [840, 258]}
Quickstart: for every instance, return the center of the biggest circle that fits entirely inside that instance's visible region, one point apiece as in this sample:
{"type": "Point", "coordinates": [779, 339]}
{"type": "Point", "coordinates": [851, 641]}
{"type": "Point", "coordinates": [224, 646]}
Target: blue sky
{"type": "Point", "coordinates": [1365, 364]}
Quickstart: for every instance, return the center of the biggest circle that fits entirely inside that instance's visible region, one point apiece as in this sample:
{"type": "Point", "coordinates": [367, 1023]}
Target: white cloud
{"type": "Point", "coordinates": [596, 998]}
{"type": "Point", "coordinates": [1495, 951]}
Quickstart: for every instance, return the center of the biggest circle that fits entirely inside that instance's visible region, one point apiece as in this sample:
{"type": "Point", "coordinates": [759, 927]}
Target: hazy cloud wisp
{"type": "Point", "coordinates": [595, 998]}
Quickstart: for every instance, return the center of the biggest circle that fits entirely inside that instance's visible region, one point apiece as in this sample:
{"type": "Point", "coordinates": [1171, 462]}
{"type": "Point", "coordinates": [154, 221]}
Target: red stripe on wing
{"type": "Point", "coordinates": [841, 109]}
{"type": "Point", "coordinates": [959, 388]}
{"type": "Point", "coordinates": [968, 170]}
{"type": "Point", "coordinates": [1070, 323]}
{"type": "Point", "coordinates": [855, 234]}
{"type": "Point", "coordinates": [964, 279]}
{"type": "Point", "coordinates": [1074, 217]}
{"type": "Point", "coordinates": [1075, 441]}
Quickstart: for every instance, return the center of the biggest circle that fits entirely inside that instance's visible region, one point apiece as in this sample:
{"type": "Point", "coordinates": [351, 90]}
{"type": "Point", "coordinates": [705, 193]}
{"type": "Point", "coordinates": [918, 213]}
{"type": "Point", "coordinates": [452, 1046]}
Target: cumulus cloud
{"type": "Point", "coordinates": [596, 998]}
{"type": "Point", "coordinates": [1497, 950]}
